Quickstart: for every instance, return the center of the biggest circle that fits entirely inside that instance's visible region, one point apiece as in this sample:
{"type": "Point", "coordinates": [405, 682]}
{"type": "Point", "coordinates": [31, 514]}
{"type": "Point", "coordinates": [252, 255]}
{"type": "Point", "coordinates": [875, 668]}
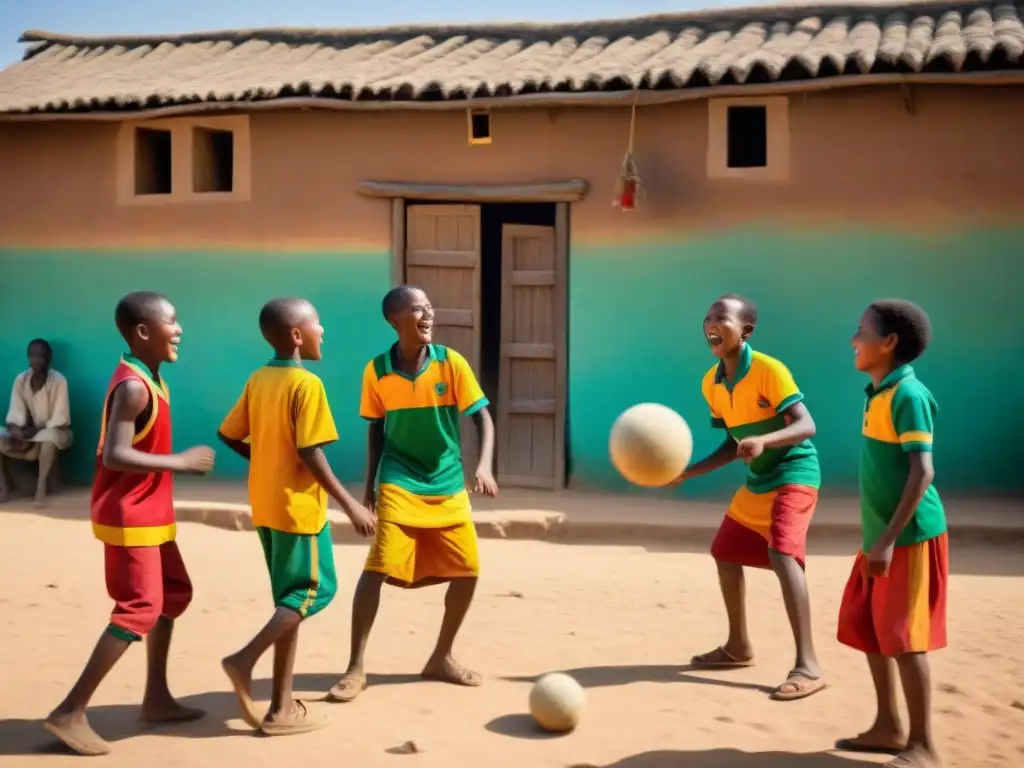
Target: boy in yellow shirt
{"type": "Point", "coordinates": [284, 415]}
{"type": "Point", "coordinates": [413, 396]}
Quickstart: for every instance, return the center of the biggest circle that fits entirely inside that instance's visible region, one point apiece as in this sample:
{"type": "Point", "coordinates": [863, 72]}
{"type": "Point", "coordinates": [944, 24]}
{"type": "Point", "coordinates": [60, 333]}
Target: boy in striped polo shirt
{"type": "Point", "coordinates": [894, 605]}
{"type": "Point", "coordinates": [755, 399]}
{"type": "Point", "coordinates": [413, 396]}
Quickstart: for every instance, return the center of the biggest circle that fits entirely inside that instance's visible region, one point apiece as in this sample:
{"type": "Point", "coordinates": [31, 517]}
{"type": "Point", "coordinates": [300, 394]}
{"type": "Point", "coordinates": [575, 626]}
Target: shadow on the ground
{"type": "Point", "coordinates": [116, 722]}
{"type": "Point", "coordinates": [604, 677]}
{"type": "Point", "coordinates": [732, 758]}
{"type": "Point", "coordinates": [519, 726]}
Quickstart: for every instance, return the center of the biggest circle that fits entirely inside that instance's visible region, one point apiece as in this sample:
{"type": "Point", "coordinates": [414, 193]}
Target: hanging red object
{"type": "Point", "coordinates": [629, 189]}
{"type": "Point", "coordinates": [627, 198]}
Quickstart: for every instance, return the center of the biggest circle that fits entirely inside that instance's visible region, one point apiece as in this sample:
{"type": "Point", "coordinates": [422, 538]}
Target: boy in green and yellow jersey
{"type": "Point", "coordinates": [894, 605]}
{"type": "Point", "coordinates": [280, 424]}
{"type": "Point", "coordinates": [413, 396]}
{"type": "Point", "coordinates": [755, 399]}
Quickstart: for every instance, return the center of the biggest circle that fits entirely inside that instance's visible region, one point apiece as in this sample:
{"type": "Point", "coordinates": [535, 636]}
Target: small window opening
{"type": "Point", "coordinates": [213, 160]}
{"type": "Point", "coordinates": [479, 127]}
{"type": "Point", "coordinates": [747, 142]}
{"type": "Point", "coordinates": [152, 162]}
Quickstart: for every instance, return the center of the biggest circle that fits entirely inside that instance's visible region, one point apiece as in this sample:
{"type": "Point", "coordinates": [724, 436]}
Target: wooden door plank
{"type": "Point", "coordinates": [537, 277]}
{"type": "Point", "coordinates": [451, 259]}
{"type": "Point", "coordinates": [528, 400]}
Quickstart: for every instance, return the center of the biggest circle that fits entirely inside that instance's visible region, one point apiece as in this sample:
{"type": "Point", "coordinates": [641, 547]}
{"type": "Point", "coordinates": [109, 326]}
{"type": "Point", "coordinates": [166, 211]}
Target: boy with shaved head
{"type": "Point", "coordinates": [281, 424]}
{"type": "Point", "coordinates": [413, 397]}
{"type": "Point", "coordinates": [132, 511]}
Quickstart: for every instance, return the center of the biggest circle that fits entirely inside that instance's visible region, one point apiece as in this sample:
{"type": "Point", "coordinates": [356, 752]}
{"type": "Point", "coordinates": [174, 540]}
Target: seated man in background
{"type": "Point", "coordinates": [38, 421]}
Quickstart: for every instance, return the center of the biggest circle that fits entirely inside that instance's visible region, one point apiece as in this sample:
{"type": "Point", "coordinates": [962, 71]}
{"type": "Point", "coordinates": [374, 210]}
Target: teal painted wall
{"type": "Point", "coordinates": [635, 335]}
{"type": "Point", "coordinates": [68, 297]}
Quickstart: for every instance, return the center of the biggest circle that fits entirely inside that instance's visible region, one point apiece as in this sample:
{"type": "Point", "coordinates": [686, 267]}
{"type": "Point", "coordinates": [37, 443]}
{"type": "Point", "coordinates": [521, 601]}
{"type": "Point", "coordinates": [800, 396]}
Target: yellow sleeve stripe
{"type": "Point", "coordinates": [915, 437]}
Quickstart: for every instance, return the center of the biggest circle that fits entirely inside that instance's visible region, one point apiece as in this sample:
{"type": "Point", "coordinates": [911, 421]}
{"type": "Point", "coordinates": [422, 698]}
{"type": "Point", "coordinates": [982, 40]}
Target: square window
{"type": "Point", "coordinates": [152, 161]}
{"type": "Point", "coordinates": [747, 137]}
{"type": "Point", "coordinates": [213, 160]}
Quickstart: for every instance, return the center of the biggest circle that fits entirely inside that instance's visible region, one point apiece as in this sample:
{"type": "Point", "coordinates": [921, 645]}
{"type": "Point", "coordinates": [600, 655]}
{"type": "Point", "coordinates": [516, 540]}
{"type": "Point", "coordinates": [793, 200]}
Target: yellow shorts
{"type": "Point", "coordinates": [408, 555]}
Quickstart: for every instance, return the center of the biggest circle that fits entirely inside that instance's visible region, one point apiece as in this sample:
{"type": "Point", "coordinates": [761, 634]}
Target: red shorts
{"type": "Point", "coordinates": [145, 583]}
{"type": "Point", "coordinates": [757, 523]}
{"type": "Point", "coordinates": [903, 611]}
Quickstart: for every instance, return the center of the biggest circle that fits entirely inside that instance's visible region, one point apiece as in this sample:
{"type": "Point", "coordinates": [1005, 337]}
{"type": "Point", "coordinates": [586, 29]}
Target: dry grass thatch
{"type": "Point", "coordinates": [68, 73]}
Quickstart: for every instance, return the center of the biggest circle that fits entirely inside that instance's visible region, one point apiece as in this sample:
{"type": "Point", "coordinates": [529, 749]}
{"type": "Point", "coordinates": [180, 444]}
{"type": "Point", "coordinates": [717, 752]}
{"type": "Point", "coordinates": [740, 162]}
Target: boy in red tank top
{"type": "Point", "coordinates": [133, 515]}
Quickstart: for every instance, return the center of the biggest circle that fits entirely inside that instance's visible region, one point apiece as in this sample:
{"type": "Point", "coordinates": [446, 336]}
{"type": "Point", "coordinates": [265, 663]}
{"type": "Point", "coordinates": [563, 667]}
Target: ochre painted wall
{"type": "Point", "coordinates": [881, 202]}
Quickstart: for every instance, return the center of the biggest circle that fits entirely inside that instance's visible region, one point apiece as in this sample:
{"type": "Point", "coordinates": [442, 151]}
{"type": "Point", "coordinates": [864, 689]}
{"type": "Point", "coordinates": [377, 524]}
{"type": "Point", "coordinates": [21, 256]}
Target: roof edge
{"type": "Point", "coordinates": [733, 15]}
{"type": "Point", "coordinates": [999, 78]}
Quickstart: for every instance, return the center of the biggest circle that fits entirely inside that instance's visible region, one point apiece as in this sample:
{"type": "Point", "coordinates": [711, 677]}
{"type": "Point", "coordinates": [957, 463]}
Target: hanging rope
{"type": "Point", "coordinates": [629, 189]}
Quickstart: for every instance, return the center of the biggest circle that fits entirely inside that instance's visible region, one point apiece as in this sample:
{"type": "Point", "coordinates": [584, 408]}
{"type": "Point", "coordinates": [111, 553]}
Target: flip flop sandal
{"type": "Point", "coordinates": [802, 688]}
{"type": "Point", "coordinates": [852, 745]}
{"type": "Point", "coordinates": [346, 690]}
{"type": "Point", "coordinates": [465, 678]}
{"type": "Point", "coordinates": [302, 722]}
{"type": "Point", "coordinates": [725, 661]}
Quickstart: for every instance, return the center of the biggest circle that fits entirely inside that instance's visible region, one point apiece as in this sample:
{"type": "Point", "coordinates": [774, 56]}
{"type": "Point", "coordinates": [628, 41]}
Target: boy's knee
{"type": "Point", "coordinates": [175, 606]}
{"type": "Point", "coordinates": [138, 622]}
{"type": "Point", "coordinates": [782, 561]}
{"type": "Point", "coordinates": [371, 580]}
{"type": "Point", "coordinates": [726, 566]}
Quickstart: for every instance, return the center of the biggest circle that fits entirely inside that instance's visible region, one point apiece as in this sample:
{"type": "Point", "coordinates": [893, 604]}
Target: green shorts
{"type": "Point", "coordinates": [302, 575]}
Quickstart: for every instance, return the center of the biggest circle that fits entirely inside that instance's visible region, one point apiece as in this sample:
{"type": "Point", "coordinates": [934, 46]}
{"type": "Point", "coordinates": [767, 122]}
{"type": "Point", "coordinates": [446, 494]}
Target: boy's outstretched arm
{"type": "Point", "coordinates": [722, 455]}
{"type": "Point", "coordinates": [374, 450]}
{"type": "Point", "coordinates": [129, 401]}
{"type": "Point", "coordinates": [799, 427]}
{"type": "Point", "coordinates": [921, 475]}
{"type": "Point", "coordinates": [316, 461]}
{"type": "Point", "coordinates": [238, 446]}
{"type": "Point", "coordinates": [485, 482]}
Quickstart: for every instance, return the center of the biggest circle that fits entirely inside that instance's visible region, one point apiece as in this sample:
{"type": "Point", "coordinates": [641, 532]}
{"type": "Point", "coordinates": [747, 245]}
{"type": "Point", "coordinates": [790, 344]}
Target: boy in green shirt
{"type": "Point", "coordinates": [894, 606]}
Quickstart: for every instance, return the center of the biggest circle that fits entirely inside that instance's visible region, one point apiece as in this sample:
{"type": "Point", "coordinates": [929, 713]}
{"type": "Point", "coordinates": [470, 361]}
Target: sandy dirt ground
{"type": "Point", "coordinates": [622, 620]}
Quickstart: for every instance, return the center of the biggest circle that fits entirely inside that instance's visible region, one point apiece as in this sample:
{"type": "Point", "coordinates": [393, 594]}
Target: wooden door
{"type": "Point", "coordinates": [531, 396]}
{"type": "Point", "coordinates": [442, 256]}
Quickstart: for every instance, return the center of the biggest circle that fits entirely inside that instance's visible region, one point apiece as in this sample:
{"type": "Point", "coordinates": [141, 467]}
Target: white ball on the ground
{"type": "Point", "coordinates": [650, 444]}
{"type": "Point", "coordinates": [557, 702]}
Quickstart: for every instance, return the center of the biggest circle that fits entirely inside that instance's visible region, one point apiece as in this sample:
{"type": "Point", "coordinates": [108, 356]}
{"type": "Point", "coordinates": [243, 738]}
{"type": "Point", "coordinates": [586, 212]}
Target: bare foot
{"type": "Point", "coordinates": [352, 683]}
{"type": "Point", "coordinates": [448, 670]}
{"type": "Point", "coordinates": [40, 502]}
{"type": "Point", "coordinates": [915, 756]}
{"type": "Point", "coordinates": [167, 710]}
{"type": "Point", "coordinates": [292, 720]}
{"type": "Point", "coordinates": [241, 682]}
{"type": "Point", "coordinates": [723, 658]}
{"type": "Point", "coordinates": [876, 740]}
{"type": "Point", "coordinates": [74, 730]}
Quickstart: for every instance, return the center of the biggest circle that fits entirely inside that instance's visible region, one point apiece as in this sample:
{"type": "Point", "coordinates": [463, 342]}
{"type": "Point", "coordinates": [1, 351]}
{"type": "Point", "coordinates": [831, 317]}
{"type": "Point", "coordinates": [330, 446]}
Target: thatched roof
{"type": "Point", "coordinates": [803, 42]}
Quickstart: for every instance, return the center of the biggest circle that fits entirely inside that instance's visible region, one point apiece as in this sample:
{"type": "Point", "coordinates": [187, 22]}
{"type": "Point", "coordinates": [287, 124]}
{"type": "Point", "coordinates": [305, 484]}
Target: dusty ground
{"type": "Point", "coordinates": [622, 620]}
